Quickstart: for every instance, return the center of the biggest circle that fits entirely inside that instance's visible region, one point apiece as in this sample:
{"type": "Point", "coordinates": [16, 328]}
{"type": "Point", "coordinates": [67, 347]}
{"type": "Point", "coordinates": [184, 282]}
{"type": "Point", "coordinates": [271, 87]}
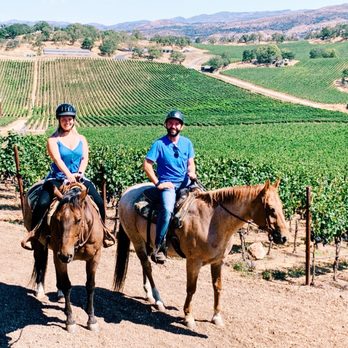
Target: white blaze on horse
{"type": "Point", "coordinates": [75, 232]}
{"type": "Point", "coordinates": [205, 235]}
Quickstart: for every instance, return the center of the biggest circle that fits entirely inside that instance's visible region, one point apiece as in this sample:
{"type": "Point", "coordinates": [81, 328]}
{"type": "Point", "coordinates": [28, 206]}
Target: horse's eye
{"type": "Point", "coordinates": [78, 220]}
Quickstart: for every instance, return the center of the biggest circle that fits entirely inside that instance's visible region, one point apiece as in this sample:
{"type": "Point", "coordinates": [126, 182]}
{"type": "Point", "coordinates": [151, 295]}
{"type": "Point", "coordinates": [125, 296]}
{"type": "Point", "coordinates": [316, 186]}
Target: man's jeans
{"type": "Point", "coordinates": [168, 197]}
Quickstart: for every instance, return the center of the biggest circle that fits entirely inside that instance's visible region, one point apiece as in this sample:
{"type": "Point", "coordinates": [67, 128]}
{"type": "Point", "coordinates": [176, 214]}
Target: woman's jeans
{"type": "Point", "coordinates": [168, 198]}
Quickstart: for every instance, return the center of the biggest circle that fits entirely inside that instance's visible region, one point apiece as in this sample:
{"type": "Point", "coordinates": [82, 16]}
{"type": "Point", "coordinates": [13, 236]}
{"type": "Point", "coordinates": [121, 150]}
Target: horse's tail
{"type": "Point", "coordinates": [40, 263]}
{"type": "Point", "coordinates": [122, 258]}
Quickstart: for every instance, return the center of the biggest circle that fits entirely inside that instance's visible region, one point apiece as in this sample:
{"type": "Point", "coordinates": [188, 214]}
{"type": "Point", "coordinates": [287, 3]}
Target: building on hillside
{"type": "Point", "coordinates": [66, 52]}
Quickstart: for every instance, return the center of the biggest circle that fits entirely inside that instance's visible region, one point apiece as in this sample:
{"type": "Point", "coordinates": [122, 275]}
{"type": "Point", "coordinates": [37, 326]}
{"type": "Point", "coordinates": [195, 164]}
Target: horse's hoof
{"type": "Point", "coordinates": [93, 327]}
{"type": "Point", "coordinates": [160, 306]}
{"type": "Point", "coordinates": [190, 323]}
{"type": "Point", "coordinates": [217, 320]}
{"type": "Point", "coordinates": [40, 292]}
{"type": "Point", "coordinates": [71, 328]}
{"type": "Point", "coordinates": [60, 296]}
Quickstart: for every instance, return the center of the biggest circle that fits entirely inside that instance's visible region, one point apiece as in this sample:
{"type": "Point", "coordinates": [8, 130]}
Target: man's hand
{"type": "Point", "coordinates": [165, 185]}
{"type": "Point", "coordinates": [192, 176]}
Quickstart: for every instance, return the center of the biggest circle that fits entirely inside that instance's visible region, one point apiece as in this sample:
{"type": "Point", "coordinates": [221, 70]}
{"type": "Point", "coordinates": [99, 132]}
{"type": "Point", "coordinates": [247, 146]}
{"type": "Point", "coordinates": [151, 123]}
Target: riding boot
{"type": "Point", "coordinates": [159, 254]}
{"type": "Point", "coordinates": [108, 239]}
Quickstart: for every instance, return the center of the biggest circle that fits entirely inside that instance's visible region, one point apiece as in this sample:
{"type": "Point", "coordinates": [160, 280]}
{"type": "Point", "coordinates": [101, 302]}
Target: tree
{"type": "Point", "coordinates": [138, 52]}
{"type": "Point", "coordinates": [87, 43]}
{"type": "Point", "coordinates": [278, 37]}
{"type": "Point", "coordinates": [248, 55]}
{"type": "Point", "coordinates": [177, 57]}
{"type": "Point", "coordinates": [287, 54]}
{"type": "Point", "coordinates": [215, 62]}
{"type": "Point", "coordinates": [267, 54]}
{"type": "Point", "coordinates": [154, 53]}
{"type": "Point", "coordinates": [60, 36]}
{"type": "Point", "coordinates": [108, 46]}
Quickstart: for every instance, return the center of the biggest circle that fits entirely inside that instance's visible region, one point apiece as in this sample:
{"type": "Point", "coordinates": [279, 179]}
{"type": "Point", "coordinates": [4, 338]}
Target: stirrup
{"type": "Point", "coordinates": [158, 255]}
{"type": "Point", "coordinates": [108, 239]}
{"type": "Point", "coordinates": [25, 241]}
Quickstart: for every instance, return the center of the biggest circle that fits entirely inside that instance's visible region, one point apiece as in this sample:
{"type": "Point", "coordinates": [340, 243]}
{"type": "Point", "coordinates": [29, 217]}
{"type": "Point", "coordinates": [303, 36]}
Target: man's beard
{"type": "Point", "coordinates": [172, 132]}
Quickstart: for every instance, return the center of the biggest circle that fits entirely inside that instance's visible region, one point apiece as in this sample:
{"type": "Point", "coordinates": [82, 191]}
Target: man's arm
{"type": "Point", "coordinates": [148, 168]}
{"type": "Point", "coordinates": [191, 169]}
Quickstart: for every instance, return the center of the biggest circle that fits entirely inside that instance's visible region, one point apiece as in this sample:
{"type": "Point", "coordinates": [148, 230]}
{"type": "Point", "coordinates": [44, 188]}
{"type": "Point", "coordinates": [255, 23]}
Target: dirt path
{"type": "Point", "coordinates": [278, 95]}
{"type": "Point", "coordinates": [257, 313]}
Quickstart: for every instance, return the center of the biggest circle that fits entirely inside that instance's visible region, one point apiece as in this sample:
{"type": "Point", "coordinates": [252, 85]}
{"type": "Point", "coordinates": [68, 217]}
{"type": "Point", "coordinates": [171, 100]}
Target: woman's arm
{"type": "Point", "coordinates": [85, 154]}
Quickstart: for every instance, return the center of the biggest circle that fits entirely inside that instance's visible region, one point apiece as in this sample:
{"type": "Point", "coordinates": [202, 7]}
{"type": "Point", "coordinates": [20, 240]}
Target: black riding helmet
{"type": "Point", "coordinates": [175, 114]}
{"type": "Point", "coordinates": [65, 110]}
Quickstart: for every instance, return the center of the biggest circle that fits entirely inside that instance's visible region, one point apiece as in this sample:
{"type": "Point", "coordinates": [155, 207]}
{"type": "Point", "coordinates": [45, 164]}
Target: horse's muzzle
{"type": "Point", "coordinates": [278, 238]}
{"type": "Point", "coordinates": [65, 258]}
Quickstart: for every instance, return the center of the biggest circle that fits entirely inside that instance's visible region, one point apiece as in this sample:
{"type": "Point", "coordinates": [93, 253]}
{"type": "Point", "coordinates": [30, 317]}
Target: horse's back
{"type": "Point", "coordinates": [128, 215]}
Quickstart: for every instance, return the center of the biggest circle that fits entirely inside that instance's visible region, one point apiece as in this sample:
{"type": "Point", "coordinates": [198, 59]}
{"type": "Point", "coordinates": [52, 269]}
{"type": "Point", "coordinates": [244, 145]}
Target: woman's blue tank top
{"type": "Point", "coordinates": [71, 158]}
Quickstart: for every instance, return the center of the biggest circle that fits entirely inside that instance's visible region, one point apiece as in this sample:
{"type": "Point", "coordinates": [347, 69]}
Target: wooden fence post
{"type": "Point", "coordinates": [19, 179]}
{"type": "Point", "coordinates": [308, 233]}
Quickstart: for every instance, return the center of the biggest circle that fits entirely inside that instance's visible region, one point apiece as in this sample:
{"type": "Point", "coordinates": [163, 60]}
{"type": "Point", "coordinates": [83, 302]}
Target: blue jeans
{"type": "Point", "coordinates": [168, 198]}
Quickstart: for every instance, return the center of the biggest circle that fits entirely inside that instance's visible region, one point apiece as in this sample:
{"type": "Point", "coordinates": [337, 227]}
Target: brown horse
{"type": "Point", "coordinates": [75, 232]}
{"type": "Point", "coordinates": [205, 235]}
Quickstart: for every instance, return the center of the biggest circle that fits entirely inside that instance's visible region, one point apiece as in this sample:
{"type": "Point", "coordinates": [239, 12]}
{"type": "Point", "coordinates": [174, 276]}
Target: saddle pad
{"type": "Point", "coordinates": [34, 193]}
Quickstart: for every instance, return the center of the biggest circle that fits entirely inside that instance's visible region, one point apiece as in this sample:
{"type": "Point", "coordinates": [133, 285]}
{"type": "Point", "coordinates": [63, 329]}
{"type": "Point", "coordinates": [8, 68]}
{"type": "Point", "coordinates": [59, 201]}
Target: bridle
{"type": "Point", "coordinates": [266, 228]}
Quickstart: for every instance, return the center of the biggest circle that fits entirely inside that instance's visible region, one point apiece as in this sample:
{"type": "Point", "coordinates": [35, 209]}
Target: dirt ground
{"type": "Point", "coordinates": [257, 313]}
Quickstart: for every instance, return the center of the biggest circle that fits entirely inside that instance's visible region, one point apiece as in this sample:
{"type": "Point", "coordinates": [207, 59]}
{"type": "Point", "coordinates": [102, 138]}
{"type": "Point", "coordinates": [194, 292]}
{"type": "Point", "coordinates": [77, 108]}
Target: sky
{"type": "Point", "coordinates": [116, 11]}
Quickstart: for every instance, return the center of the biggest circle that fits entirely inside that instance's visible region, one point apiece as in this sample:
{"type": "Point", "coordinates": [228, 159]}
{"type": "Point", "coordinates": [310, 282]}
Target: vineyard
{"type": "Point", "coordinates": [240, 137]}
{"type": "Point", "coordinates": [312, 79]}
{"type": "Point", "coordinates": [112, 93]}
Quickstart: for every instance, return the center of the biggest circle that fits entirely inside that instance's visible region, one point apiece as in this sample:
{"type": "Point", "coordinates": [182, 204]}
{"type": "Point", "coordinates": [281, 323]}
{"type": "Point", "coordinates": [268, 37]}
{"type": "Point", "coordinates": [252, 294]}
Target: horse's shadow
{"type": "Point", "coordinates": [20, 308]}
{"type": "Point", "coordinates": [115, 307]}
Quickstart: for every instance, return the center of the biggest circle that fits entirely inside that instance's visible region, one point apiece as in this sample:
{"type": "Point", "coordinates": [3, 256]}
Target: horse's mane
{"type": "Point", "coordinates": [229, 194]}
{"type": "Point", "coordinates": [72, 197]}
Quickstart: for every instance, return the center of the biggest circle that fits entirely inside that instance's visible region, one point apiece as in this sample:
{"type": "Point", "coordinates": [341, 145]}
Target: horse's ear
{"type": "Point", "coordinates": [267, 185]}
{"type": "Point", "coordinates": [57, 193]}
{"type": "Point", "coordinates": [83, 194]}
{"type": "Point", "coordinates": [276, 184]}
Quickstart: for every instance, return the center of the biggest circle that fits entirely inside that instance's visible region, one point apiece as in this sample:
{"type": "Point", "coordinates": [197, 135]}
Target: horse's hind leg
{"type": "Point", "coordinates": [192, 270]}
{"type": "Point", "coordinates": [152, 294]}
{"type": "Point", "coordinates": [91, 267]}
{"type": "Point", "coordinates": [40, 266]}
{"type": "Point", "coordinates": [63, 283]}
{"type": "Point", "coordinates": [217, 285]}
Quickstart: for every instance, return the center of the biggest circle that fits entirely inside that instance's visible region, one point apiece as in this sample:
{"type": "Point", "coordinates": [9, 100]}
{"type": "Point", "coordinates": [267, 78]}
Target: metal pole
{"type": "Point", "coordinates": [19, 179]}
{"type": "Point", "coordinates": [308, 233]}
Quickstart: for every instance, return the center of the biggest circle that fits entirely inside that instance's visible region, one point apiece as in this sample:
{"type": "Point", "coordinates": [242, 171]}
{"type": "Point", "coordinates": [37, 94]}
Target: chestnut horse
{"type": "Point", "coordinates": [205, 235]}
{"type": "Point", "coordinates": [75, 232]}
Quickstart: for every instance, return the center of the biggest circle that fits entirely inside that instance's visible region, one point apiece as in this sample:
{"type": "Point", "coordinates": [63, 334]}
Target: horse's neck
{"type": "Point", "coordinates": [235, 205]}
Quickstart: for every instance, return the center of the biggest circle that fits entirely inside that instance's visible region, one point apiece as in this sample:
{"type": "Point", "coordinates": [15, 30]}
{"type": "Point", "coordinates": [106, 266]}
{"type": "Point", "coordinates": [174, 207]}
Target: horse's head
{"type": "Point", "coordinates": [67, 223]}
{"type": "Point", "coordinates": [270, 216]}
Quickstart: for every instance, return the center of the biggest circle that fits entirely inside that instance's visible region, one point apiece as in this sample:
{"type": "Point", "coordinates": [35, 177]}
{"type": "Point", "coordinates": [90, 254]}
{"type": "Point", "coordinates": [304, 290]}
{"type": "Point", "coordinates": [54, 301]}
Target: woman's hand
{"type": "Point", "coordinates": [71, 178]}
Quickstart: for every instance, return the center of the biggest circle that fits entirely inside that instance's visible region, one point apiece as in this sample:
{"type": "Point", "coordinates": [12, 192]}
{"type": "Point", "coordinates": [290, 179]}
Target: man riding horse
{"type": "Point", "coordinates": [174, 156]}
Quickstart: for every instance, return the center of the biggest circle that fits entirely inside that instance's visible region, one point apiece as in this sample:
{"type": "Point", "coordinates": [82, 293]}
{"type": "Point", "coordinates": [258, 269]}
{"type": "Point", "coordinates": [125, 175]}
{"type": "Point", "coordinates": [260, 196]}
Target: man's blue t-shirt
{"type": "Point", "coordinates": [171, 158]}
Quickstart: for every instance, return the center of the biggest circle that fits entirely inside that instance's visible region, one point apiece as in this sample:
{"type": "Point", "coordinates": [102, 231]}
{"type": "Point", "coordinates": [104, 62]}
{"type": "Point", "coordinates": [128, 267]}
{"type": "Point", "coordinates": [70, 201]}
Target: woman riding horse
{"type": "Point", "coordinates": [69, 152]}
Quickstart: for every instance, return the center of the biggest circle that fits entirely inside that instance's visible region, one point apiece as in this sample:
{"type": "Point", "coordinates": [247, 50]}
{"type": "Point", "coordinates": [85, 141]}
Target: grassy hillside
{"type": "Point", "coordinates": [311, 79]}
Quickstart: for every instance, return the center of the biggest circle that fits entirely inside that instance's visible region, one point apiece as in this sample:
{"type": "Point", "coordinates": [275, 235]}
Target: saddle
{"type": "Point", "coordinates": [148, 204]}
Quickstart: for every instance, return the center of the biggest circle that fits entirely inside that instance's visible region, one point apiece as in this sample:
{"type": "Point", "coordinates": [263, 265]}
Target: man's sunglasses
{"type": "Point", "coordinates": [176, 152]}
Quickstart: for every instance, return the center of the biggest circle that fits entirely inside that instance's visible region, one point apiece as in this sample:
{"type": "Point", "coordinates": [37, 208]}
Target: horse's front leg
{"type": "Point", "coordinates": [63, 283]}
{"type": "Point", "coordinates": [91, 268]}
{"type": "Point", "coordinates": [217, 285]}
{"type": "Point", "coordinates": [192, 270]}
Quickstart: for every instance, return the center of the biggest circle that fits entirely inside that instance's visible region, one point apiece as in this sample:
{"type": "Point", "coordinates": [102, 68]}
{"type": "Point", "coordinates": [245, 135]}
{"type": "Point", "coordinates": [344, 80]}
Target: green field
{"type": "Point", "coordinates": [109, 93]}
{"type": "Point", "coordinates": [311, 79]}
